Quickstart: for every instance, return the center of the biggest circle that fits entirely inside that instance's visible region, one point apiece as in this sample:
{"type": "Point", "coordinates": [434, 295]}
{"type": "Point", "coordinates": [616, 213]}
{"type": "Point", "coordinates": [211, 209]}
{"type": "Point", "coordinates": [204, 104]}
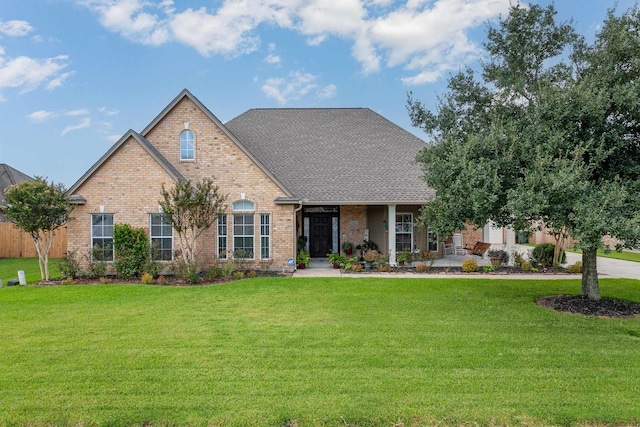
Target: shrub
{"type": "Point", "coordinates": [575, 268]}
{"type": "Point", "coordinates": [96, 262]}
{"type": "Point", "coordinates": [357, 267]}
{"type": "Point", "coordinates": [421, 268]}
{"type": "Point", "coordinates": [162, 280]}
{"type": "Point", "coordinates": [132, 250]}
{"type": "Point", "coordinates": [498, 257]}
{"type": "Point", "coordinates": [251, 274]}
{"type": "Point", "coordinates": [371, 255]}
{"type": "Point", "coordinates": [147, 278]}
{"type": "Point", "coordinates": [104, 280]}
{"type": "Point", "coordinates": [69, 265]}
{"type": "Point", "coordinates": [542, 256]}
{"type": "Point", "coordinates": [67, 281]}
{"type": "Point", "coordinates": [469, 265]}
{"type": "Point", "coordinates": [238, 275]}
{"type": "Point", "coordinates": [488, 268]}
{"type": "Point", "coordinates": [214, 272]}
{"type": "Point", "coordinates": [384, 268]}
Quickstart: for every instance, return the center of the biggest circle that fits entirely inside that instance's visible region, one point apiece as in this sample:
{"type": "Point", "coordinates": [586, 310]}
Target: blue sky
{"type": "Point", "coordinates": [75, 75]}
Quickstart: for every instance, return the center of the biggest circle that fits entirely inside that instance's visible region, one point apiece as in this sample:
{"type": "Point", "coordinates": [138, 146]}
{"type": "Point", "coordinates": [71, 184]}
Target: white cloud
{"type": "Point", "coordinates": [425, 37]}
{"type": "Point", "coordinates": [328, 91]}
{"type": "Point", "coordinates": [29, 73]}
{"type": "Point", "coordinates": [84, 123]}
{"type": "Point", "coordinates": [113, 138]}
{"type": "Point", "coordinates": [79, 112]}
{"type": "Point", "coordinates": [109, 112]}
{"type": "Point", "coordinates": [41, 116]}
{"type": "Point", "coordinates": [128, 18]}
{"type": "Point", "coordinates": [272, 59]}
{"type": "Point", "coordinates": [295, 87]}
{"type": "Point", "coordinates": [15, 28]}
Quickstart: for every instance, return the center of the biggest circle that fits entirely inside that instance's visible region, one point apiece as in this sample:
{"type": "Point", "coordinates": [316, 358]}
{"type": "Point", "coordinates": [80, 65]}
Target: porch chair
{"type": "Point", "coordinates": [447, 246]}
{"type": "Point", "coordinates": [458, 246]}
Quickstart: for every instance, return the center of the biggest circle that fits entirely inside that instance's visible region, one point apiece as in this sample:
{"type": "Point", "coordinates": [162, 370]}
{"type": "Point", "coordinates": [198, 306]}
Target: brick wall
{"type": "Point", "coordinates": [129, 183]}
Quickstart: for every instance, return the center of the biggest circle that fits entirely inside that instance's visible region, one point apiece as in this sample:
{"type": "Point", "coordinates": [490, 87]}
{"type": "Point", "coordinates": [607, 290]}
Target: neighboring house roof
{"type": "Point", "coordinates": [335, 155]}
{"type": "Point", "coordinates": [144, 143]}
{"type": "Point", "coordinates": [217, 122]}
{"type": "Point", "coordinates": [10, 176]}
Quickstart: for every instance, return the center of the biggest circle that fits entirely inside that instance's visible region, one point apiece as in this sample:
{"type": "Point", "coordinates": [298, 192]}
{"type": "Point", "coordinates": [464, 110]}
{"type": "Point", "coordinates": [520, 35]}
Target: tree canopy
{"type": "Point", "coordinates": [191, 208]}
{"type": "Point", "coordinates": [39, 208]}
{"type": "Point", "coordinates": [548, 130]}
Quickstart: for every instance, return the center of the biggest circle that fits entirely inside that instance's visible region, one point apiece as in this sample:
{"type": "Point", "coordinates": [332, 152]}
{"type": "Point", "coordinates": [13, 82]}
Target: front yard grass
{"type": "Point", "coordinates": [624, 255]}
{"type": "Point", "coordinates": [283, 351]}
{"type": "Point", "coordinates": [9, 269]}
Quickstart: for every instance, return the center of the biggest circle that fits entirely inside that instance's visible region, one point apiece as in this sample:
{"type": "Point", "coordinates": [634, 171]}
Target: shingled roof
{"type": "Point", "coordinates": [10, 176]}
{"type": "Point", "coordinates": [335, 155]}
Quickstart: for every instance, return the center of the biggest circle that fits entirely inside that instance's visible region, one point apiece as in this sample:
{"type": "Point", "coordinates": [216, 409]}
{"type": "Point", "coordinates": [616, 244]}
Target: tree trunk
{"type": "Point", "coordinates": [590, 286]}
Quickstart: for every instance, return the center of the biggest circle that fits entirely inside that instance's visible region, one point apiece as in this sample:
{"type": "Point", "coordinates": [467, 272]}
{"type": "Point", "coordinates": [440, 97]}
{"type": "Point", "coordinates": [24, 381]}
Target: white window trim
{"type": "Point", "coordinates": [219, 236]}
{"type": "Point", "coordinates": [151, 237]}
{"type": "Point", "coordinates": [268, 236]}
{"type": "Point", "coordinates": [113, 254]}
{"type": "Point", "coordinates": [193, 159]}
{"type": "Point", "coordinates": [402, 233]}
{"type": "Point", "coordinates": [233, 252]}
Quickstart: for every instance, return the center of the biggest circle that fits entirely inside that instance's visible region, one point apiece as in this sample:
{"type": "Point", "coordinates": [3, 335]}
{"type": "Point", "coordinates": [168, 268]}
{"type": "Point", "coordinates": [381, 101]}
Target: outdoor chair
{"type": "Point", "coordinates": [478, 248]}
{"type": "Point", "coordinates": [458, 246]}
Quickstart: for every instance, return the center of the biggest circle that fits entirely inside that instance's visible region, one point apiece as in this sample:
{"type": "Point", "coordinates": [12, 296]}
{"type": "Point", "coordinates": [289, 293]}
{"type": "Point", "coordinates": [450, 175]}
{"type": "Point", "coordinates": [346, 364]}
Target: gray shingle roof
{"type": "Point", "coordinates": [335, 155]}
{"type": "Point", "coordinates": [10, 176]}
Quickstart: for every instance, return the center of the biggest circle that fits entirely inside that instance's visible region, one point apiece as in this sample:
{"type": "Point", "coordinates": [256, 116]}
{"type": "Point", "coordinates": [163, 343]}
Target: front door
{"type": "Point", "coordinates": [319, 235]}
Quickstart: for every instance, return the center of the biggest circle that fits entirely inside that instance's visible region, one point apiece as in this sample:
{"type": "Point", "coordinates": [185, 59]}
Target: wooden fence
{"type": "Point", "coordinates": [15, 243]}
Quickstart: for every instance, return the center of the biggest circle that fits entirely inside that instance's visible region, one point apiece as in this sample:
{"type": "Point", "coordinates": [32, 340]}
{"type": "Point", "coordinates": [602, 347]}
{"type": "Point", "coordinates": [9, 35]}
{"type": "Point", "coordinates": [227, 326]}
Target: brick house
{"type": "Point", "coordinates": [332, 175]}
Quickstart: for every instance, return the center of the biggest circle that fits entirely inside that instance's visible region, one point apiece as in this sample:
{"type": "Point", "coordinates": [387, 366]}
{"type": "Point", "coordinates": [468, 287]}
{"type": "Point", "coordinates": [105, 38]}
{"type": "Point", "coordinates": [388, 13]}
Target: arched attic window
{"type": "Point", "coordinates": [187, 145]}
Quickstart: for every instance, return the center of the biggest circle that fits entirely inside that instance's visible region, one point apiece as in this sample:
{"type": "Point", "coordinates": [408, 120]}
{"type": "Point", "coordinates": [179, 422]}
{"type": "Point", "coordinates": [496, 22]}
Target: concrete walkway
{"type": "Point", "coordinates": [607, 268]}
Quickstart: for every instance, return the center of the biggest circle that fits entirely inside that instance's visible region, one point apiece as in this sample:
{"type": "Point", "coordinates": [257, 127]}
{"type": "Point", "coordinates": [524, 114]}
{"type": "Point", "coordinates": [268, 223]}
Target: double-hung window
{"type": "Point", "coordinates": [404, 232]}
{"type": "Point", "coordinates": [222, 236]}
{"type": "Point", "coordinates": [265, 236]}
{"type": "Point", "coordinates": [162, 236]}
{"type": "Point", "coordinates": [243, 229]}
{"type": "Point", "coordinates": [102, 237]}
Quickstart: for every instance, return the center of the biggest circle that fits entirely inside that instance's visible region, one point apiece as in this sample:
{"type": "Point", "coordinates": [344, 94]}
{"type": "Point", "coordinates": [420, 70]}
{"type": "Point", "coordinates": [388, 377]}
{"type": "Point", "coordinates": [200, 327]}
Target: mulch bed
{"type": "Point", "coordinates": [578, 304]}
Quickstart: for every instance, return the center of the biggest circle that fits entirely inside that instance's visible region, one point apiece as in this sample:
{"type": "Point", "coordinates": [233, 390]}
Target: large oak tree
{"type": "Point", "coordinates": [548, 130]}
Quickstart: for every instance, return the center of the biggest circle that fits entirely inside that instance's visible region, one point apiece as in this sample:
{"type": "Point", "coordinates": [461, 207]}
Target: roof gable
{"type": "Point", "coordinates": [145, 144]}
{"type": "Point", "coordinates": [186, 94]}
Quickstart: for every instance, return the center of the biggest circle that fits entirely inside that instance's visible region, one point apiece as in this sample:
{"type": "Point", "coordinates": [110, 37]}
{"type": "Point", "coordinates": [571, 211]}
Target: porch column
{"type": "Point", "coordinates": [511, 245]}
{"type": "Point", "coordinates": [391, 227]}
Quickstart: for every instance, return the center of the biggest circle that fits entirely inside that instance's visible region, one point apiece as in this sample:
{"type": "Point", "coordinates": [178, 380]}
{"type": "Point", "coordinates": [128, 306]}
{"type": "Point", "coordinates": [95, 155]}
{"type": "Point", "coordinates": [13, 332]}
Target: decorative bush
{"type": "Point", "coordinates": [542, 256]}
{"type": "Point", "coordinates": [357, 267]}
{"type": "Point", "coordinates": [384, 268]}
{"type": "Point", "coordinates": [575, 268]}
{"type": "Point", "coordinates": [69, 265]}
{"type": "Point", "coordinates": [147, 278]}
{"type": "Point", "coordinates": [238, 275]}
{"type": "Point", "coordinates": [132, 250]}
{"type": "Point", "coordinates": [162, 280]}
{"type": "Point", "coordinates": [488, 268]}
{"type": "Point", "coordinates": [67, 281]}
{"type": "Point", "coordinates": [214, 272]}
{"type": "Point", "coordinates": [251, 274]}
{"type": "Point", "coordinates": [421, 268]}
{"type": "Point", "coordinates": [469, 265]}
{"type": "Point", "coordinates": [371, 255]}
{"type": "Point", "coordinates": [498, 257]}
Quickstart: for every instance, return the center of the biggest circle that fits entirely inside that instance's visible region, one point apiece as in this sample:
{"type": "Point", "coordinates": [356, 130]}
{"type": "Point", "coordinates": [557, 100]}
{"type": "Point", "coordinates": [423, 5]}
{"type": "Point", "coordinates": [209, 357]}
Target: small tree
{"type": "Point", "coordinates": [192, 209]}
{"type": "Point", "coordinates": [39, 209]}
{"type": "Point", "coordinates": [133, 252]}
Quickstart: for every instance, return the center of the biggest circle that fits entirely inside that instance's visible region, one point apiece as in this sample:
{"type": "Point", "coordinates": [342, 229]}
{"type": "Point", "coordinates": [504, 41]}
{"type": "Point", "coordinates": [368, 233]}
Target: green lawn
{"type": "Point", "coordinates": [9, 269]}
{"type": "Point", "coordinates": [353, 351]}
{"type": "Point", "coordinates": [624, 255]}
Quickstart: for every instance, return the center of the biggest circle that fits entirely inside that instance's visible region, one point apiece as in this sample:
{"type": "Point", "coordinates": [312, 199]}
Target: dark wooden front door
{"type": "Point", "coordinates": [319, 235]}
